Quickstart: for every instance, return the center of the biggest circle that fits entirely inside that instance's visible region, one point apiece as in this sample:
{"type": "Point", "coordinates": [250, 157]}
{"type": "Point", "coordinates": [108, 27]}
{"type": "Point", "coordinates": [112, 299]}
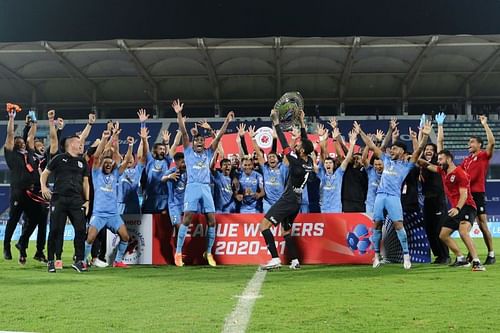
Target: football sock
{"type": "Point", "coordinates": [122, 247]}
{"type": "Point", "coordinates": [377, 236]}
{"type": "Point", "coordinates": [491, 253]}
{"type": "Point", "coordinates": [269, 238]}
{"type": "Point", "coordinates": [290, 245]}
{"type": "Point", "coordinates": [210, 238]}
{"type": "Point", "coordinates": [460, 258]}
{"type": "Point", "coordinates": [180, 237]}
{"type": "Point", "coordinates": [88, 248]}
{"type": "Point", "coordinates": [403, 240]}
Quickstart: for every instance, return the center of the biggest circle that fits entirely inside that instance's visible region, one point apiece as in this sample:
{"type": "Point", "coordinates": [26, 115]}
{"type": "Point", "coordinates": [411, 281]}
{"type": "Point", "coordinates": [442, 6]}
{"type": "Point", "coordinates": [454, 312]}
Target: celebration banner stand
{"type": "Point", "coordinates": [320, 239]}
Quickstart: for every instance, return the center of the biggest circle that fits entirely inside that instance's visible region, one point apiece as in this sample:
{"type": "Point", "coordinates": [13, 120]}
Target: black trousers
{"type": "Point", "coordinates": [349, 206]}
{"type": "Point", "coordinates": [99, 245]}
{"type": "Point", "coordinates": [35, 214]}
{"type": "Point", "coordinates": [63, 208]}
{"type": "Point", "coordinates": [434, 214]}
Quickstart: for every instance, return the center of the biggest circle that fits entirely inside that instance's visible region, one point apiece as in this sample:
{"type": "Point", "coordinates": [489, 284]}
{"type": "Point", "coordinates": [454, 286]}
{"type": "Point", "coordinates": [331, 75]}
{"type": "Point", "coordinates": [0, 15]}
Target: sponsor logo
{"type": "Point", "coordinates": [358, 240]}
{"type": "Point", "coordinates": [80, 164]}
{"type": "Point", "coordinates": [135, 248]}
{"type": "Point", "coordinates": [452, 178]}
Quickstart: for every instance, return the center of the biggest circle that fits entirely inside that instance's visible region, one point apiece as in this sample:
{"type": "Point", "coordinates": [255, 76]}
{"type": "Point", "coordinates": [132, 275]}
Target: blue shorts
{"type": "Point", "coordinates": [155, 204]}
{"type": "Point", "coordinates": [113, 223]}
{"type": "Point", "coordinates": [198, 194]}
{"type": "Point", "coordinates": [175, 213]}
{"type": "Point", "coordinates": [392, 205]}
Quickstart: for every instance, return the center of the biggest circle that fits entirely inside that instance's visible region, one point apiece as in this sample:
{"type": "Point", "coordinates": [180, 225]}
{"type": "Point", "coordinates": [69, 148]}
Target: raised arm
{"type": "Point", "coordinates": [30, 140]}
{"type": "Point", "coordinates": [376, 150]}
{"type": "Point", "coordinates": [490, 148]}
{"type": "Point", "coordinates": [86, 131]}
{"type": "Point", "coordinates": [414, 139]}
{"type": "Point", "coordinates": [256, 148]}
{"type": "Point", "coordinates": [220, 133]}
{"type": "Point", "coordinates": [128, 156]}
{"type": "Point", "coordinates": [175, 144]}
{"type": "Point", "coordinates": [9, 140]}
{"type": "Point", "coordinates": [426, 130]}
{"type": "Point", "coordinates": [440, 117]}
{"type": "Point", "coordinates": [279, 132]}
{"type": "Point", "coordinates": [431, 167]}
{"type": "Point", "coordinates": [143, 149]}
{"type": "Point", "coordinates": [178, 106]}
{"type": "Point", "coordinates": [100, 148]}
{"type": "Point", "coordinates": [240, 140]}
{"type": "Point", "coordinates": [393, 124]}
{"type": "Point", "coordinates": [323, 142]}
{"type": "Point", "coordinates": [54, 143]}
{"type": "Point", "coordinates": [352, 142]}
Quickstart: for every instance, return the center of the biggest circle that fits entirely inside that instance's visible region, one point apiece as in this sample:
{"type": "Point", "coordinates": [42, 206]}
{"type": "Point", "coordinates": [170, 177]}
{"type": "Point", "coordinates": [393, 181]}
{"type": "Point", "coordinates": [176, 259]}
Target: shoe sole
{"type": "Point", "coordinates": [76, 269]}
{"type": "Point", "coordinates": [270, 268]}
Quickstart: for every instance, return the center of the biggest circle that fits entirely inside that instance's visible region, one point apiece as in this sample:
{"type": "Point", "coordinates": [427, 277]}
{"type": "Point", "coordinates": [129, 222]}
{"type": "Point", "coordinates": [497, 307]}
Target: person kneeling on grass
{"type": "Point", "coordinates": [105, 214]}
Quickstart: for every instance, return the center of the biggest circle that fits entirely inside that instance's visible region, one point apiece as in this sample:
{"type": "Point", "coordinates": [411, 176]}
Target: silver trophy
{"type": "Point", "coordinates": [289, 107]}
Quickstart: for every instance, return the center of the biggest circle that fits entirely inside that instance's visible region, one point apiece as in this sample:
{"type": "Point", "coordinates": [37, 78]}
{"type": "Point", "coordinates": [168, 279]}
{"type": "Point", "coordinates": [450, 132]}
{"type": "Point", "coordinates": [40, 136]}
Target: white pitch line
{"type": "Point", "coordinates": [237, 321]}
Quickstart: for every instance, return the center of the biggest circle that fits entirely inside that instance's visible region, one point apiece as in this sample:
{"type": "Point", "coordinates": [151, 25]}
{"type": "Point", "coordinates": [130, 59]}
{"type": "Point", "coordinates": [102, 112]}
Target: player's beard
{"type": "Point", "coordinates": [445, 166]}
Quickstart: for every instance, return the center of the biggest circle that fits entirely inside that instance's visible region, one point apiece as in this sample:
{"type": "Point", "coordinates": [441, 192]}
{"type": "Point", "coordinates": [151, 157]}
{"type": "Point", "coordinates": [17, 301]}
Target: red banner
{"type": "Point", "coordinates": [320, 239]}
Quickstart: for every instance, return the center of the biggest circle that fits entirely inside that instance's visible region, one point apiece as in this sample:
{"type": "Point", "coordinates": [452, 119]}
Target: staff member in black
{"type": "Point", "coordinates": [69, 199]}
{"type": "Point", "coordinates": [24, 192]}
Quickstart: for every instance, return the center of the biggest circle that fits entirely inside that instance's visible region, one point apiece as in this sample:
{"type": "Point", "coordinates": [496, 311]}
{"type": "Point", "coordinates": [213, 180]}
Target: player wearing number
{"type": "Point", "coordinates": [105, 214]}
{"type": "Point", "coordinates": [198, 161]}
{"type": "Point", "coordinates": [463, 212]}
{"type": "Point", "coordinates": [287, 207]}
{"type": "Point", "coordinates": [176, 179]}
{"type": "Point", "coordinates": [389, 191]}
{"type": "Point", "coordinates": [251, 188]}
{"type": "Point", "coordinates": [476, 165]}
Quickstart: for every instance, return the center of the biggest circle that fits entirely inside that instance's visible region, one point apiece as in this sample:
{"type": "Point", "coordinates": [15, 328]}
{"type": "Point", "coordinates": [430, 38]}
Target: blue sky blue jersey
{"type": "Point", "coordinates": [274, 182]}
{"type": "Point", "coordinates": [223, 192]}
{"type": "Point", "coordinates": [330, 189]}
{"type": "Point", "coordinates": [176, 188]}
{"type": "Point", "coordinates": [250, 184]}
{"type": "Point", "coordinates": [105, 193]}
{"type": "Point", "coordinates": [198, 165]}
{"type": "Point", "coordinates": [395, 172]}
{"type": "Point", "coordinates": [128, 184]}
{"type": "Point", "coordinates": [155, 169]}
{"type": "Point", "coordinates": [373, 182]}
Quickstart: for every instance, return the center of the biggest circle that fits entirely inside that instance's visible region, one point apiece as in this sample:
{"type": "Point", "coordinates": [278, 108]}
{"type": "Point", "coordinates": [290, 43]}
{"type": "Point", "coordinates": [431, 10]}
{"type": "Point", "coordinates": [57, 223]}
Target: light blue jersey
{"type": "Point", "coordinates": [395, 172]}
{"type": "Point", "coordinates": [373, 182]}
{"type": "Point", "coordinates": [274, 182]}
{"type": "Point", "coordinates": [105, 193]}
{"type": "Point", "coordinates": [176, 188]}
{"type": "Point", "coordinates": [223, 193]}
{"type": "Point", "coordinates": [198, 165]}
{"type": "Point", "coordinates": [155, 169]}
{"type": "Point", "coordinates": [330, 190]}
{"type": "Point", "coordinates": [249, 185]}
{"type": "Point", "coordinates": [128, 190]}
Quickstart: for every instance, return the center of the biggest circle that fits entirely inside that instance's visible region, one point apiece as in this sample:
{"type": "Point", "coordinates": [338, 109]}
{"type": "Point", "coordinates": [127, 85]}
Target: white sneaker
{"type": "Point", "coordinates": [295, 264]}
{"type": "Point", "coordinates": [271, 264]}
{"type": "Point", "coordinates": [376, 261]}
{"type": "Point", "coordinates": [406, 261]}
{"type": "Point", "coordinates": [99, 263]}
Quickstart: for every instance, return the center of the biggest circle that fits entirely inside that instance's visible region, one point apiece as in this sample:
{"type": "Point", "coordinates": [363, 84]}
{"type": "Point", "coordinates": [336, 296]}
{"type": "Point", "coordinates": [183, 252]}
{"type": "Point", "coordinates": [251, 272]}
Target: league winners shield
{"type": "Point", "coordinates": [288, 107]}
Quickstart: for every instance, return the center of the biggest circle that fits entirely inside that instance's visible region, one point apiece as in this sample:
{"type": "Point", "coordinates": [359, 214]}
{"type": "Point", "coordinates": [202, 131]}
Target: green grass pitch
{"type": "Point", "coordinates": [315, 299]}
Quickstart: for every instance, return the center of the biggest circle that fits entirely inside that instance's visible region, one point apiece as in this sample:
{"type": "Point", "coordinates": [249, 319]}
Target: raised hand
{"type": "Point", "coordinates": [395, 134]}
{"type": "Point", "coordinates": [394, 123]}
{"type": "Point", "coordinates": [320, 129]}
{"type": "Point", "coordinates": [353, 135]}
{"type": "Point", "coordinates": [422, 121]}
{"type": "Point", "coordinates": [106, 134]}
{"type": "Point", "coordinates": [333, 122]}
{"type": "Point", "coordinates": [177, 106]}
{"type": "Point", "coordinates": [336, 133]}
{"type": "Point", "coordinates": [379, 135]}
{"type": "Point", "coordinates": [230, 116]}
{"type": "Point", "coordinates": [426, 130]}
{"type": "Point", "coordinates": [241, 129]}
{"type": "Point", "coordinates": [142, 115]}
{"type": "Point", "coordinates": [130, 140]}
{"type": "Point", "coordinates": [204, 124]}
{"type": "Point", "coordinates": [165, 136]}
{"type": "Point", "coordinates": [92, 118]}
{"type": "Point", "coordinates": [412, 133]}
{"type": "Point", "coordinates": [51, 114]}
{"type": "Point", "coordinates": [251, 131]}
{"type": "Point", "coordinates": [356, 127]}
{"type": "Point", "coordinates": [483, 119]}
{"type": "Point", "coordinates": [440, 117]}
{"type": "Point", "coordinates": [274, 115]}
{"type": "Point", "coordinates": [144, 133]}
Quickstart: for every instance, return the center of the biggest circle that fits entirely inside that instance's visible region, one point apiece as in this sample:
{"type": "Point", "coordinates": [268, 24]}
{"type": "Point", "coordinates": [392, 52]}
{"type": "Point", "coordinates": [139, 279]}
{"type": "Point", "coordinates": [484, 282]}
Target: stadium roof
{"type": "Point", "coordinates": [205, 71]}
